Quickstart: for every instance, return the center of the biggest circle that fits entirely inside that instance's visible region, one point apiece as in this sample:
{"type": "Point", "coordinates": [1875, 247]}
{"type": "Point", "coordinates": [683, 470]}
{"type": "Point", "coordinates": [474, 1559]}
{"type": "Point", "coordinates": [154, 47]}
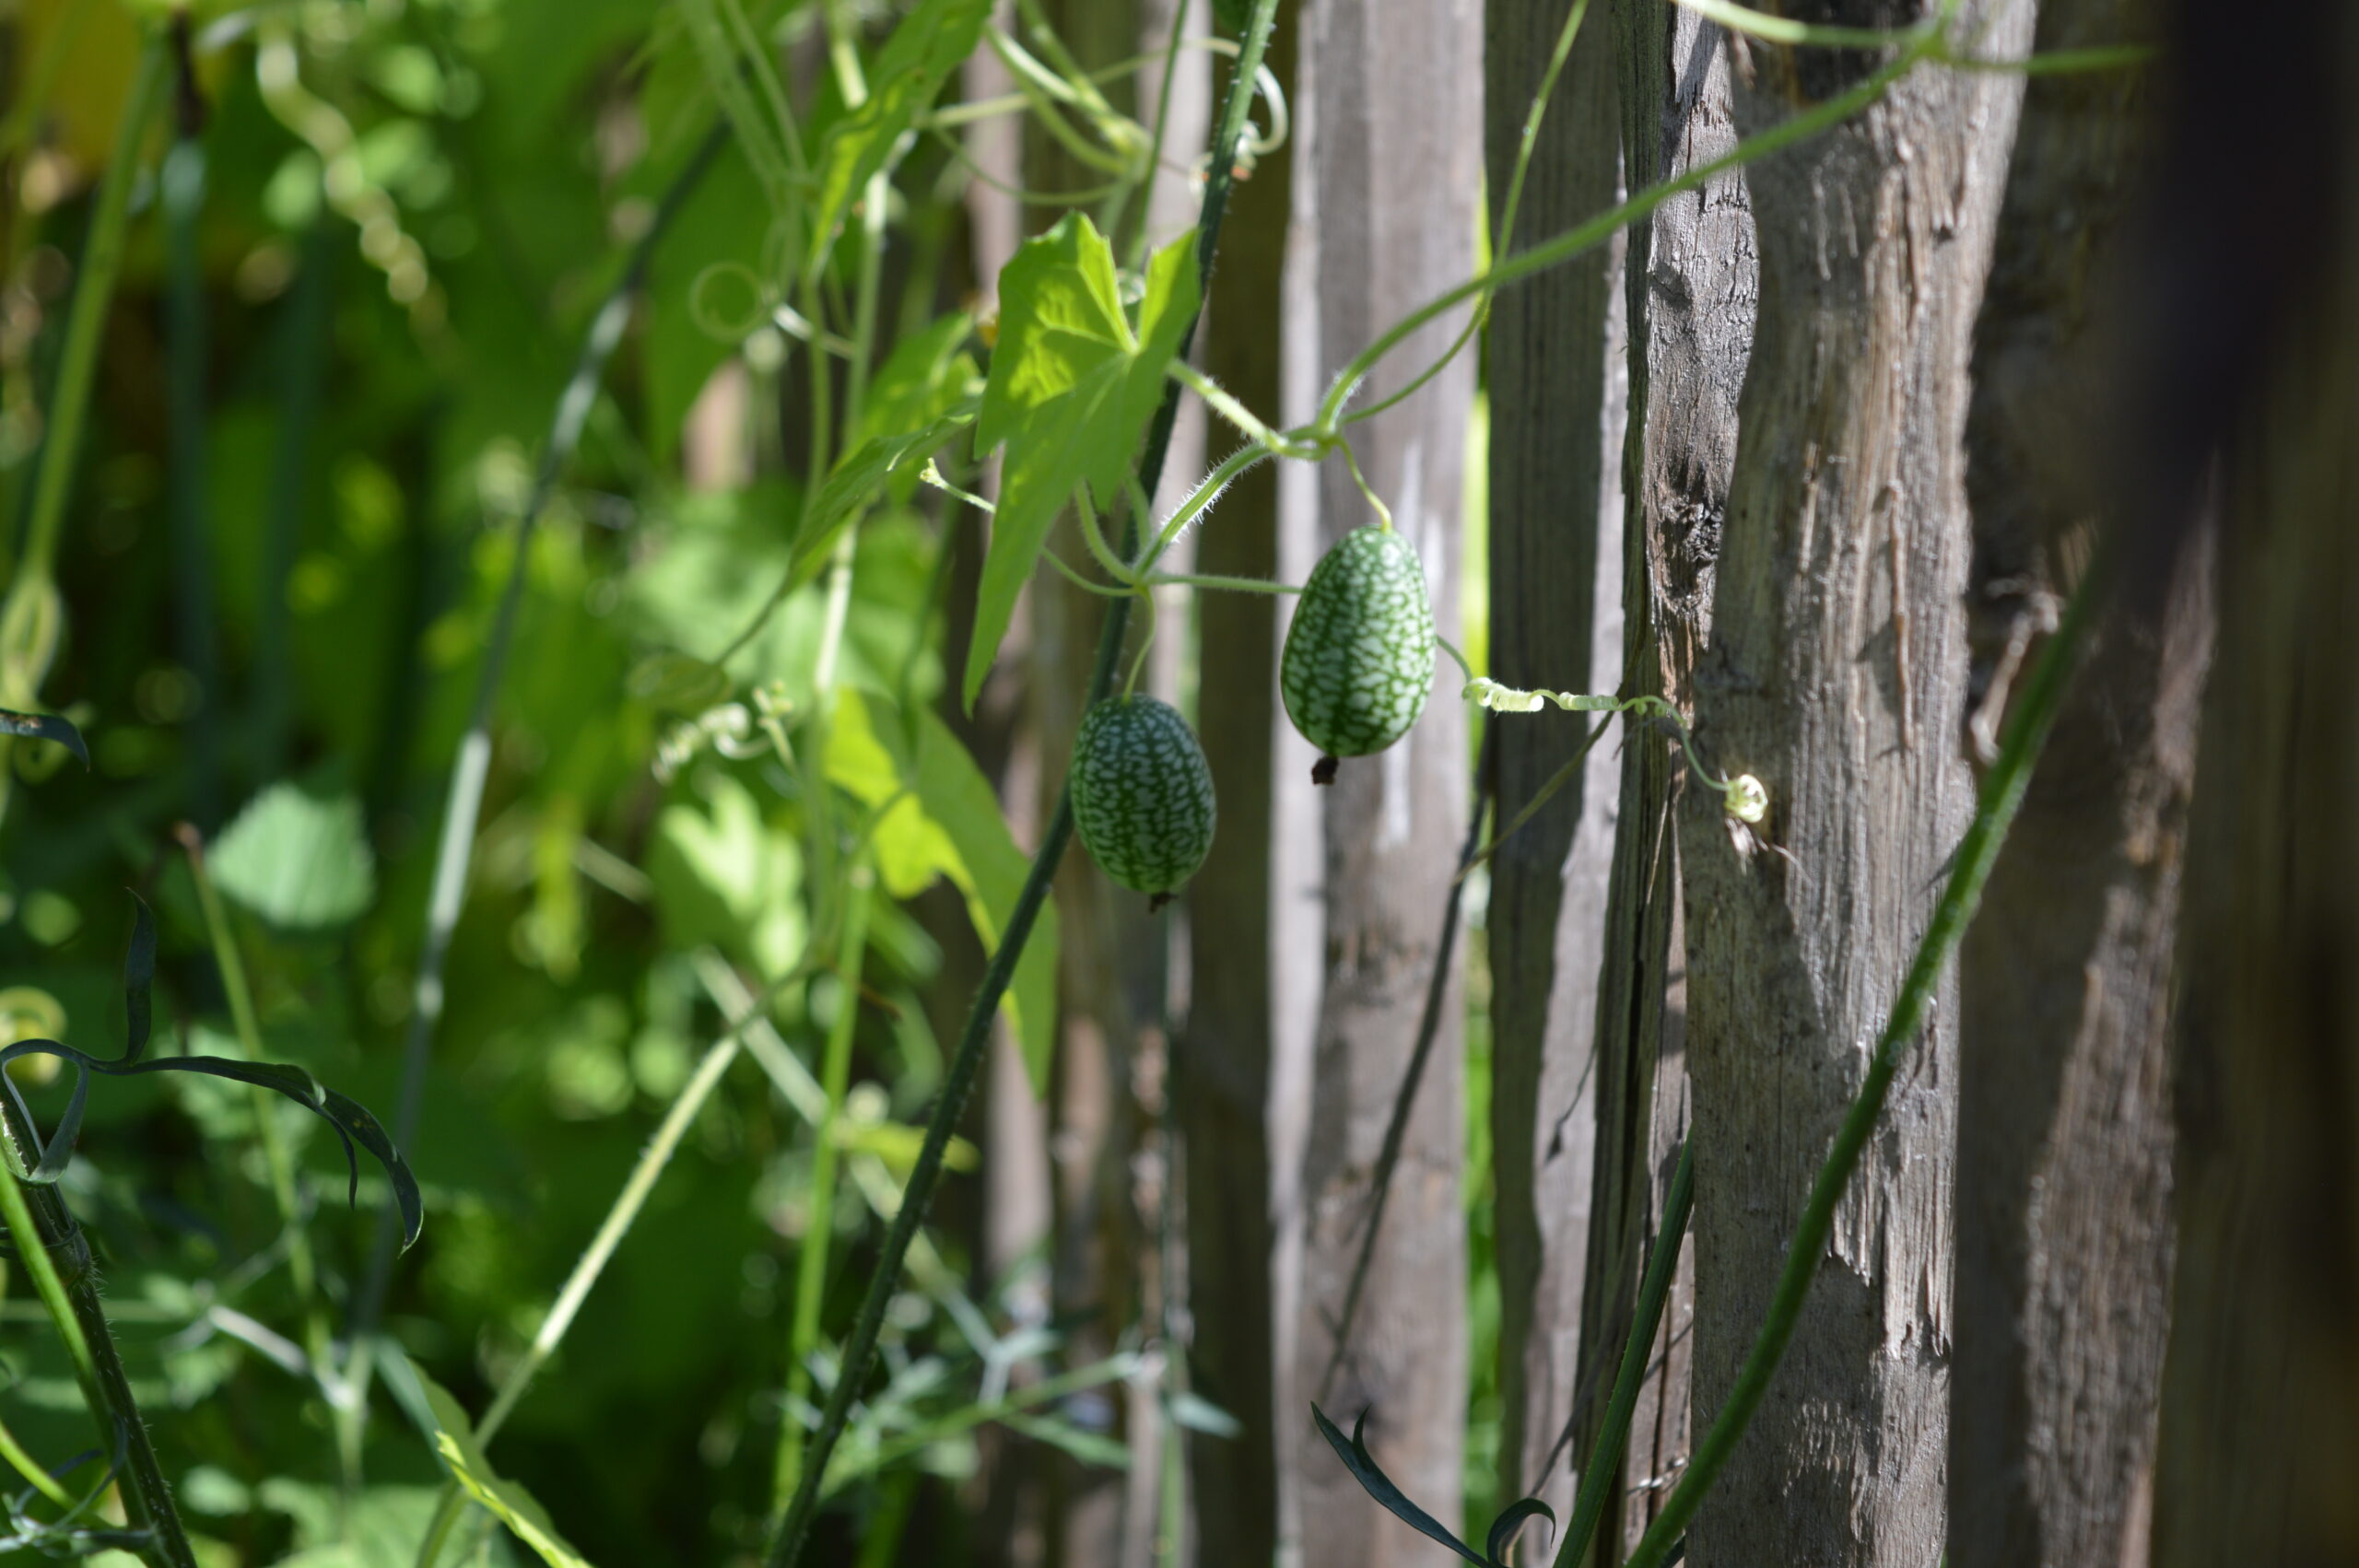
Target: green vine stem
{"type": "Point", "coordinates": [2002, 792]}
{"type": "Point", "coordinates": [958, 1082]}
{"type": "Point", "coordinates": [301, 1267]}
{"type": "Point", "coordinates": [1597, 231]}
{"type": "Point", "coordinates": [465, 800]}
{"type": "Point", "coordinates": [1606, 1458]}
{"type": "Point", "coordinates": [811, 1267]}
{"type": "Point", "coordinates": [44, 1233]}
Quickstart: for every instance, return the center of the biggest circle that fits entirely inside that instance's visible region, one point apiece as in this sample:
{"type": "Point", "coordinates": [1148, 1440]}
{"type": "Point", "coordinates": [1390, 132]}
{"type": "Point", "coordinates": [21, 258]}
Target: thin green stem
{"type": "Point", "coordinates": [1504, 239]}
{"type": "Point", "coordinates": [1225, 404]}
{"type": "Point", "coordinates": [1784, 29]}
{"type": "Point", "coordinates": [974, 1039]}
{"type": "Point", "coordinates": [464, 799]}
{"type": "Point", "coordinates": [1030, 1397]}
{"type": "Point", "coordinates": [1094, 536]}
{"type": "Point", "coordinates": [44, 1231]}
{"type": "Point", "coordinates": [1228, 584]}
{"type": "Point", "coordinates": [1136, 250]}
{"type": "Point", "coordinates": [86, 322]}
{"type": "Point", "coordinates": [301, 1268]}
{"type": "Point", "coordinates": [1207, 491]}
{"type": "Point", "coordinates": [25, 1464]}
{"type": "Point", "coordinates": [2002, 792]}
{"type": "Point", "coordinates": [1597, 231]}
{"type": "Point", "coordinates": [1045, 88]}
{"type": "Point", "coordinates": [810, 1267]}
{"type": "Point", "coordinates": [1087, 584]}
{"type": "Point", "coordinates": [611, 1231]}
{"type": "Point", "coordinates": [1604, 1466]}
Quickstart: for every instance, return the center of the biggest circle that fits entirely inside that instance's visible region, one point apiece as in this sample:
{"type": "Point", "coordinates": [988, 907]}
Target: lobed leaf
{"type": "Point", "coordinates": [1070, 393]}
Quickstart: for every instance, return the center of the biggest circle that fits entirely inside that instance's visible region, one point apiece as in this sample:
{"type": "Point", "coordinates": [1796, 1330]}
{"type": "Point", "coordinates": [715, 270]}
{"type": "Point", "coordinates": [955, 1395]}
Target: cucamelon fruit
{"type": "Point", "coordinates": [1141, 793]}
{"type": "Point", "coordinates": [1359, 657]}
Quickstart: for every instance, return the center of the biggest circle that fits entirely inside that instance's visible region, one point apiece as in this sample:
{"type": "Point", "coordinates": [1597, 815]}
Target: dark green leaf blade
{"type": "Point", "coordinates": [45, 727]}
{"type": "Point", "coordinates": [1376, 1485]}
{"type": "Point", "coordinates": [1508, 1525]}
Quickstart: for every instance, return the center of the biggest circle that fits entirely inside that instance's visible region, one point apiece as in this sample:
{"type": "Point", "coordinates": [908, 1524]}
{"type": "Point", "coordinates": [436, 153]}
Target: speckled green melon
{"type": "Point", "coordinates": [1141, 793]}
{"type": "Point", "coordinates": [1359, 657]}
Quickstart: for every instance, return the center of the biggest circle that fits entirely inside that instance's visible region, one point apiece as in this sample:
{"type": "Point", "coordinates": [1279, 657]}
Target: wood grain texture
{"type": "Point", "coordinates": [1384, 219]}
{"type": "Point", "coordinates": [2064, 1117]}
{"type": "Point", "coordinates": [1836, 674]}
{"type": "Point", "coordinates": [1691, 290]}
{"type": "Point", "coordinates": [1555, 401]}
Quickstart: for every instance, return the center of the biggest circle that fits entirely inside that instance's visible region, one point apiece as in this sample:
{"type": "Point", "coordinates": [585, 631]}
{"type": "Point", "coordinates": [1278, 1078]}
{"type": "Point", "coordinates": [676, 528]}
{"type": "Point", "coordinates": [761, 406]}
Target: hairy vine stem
{"type": "Point", "coordinates": [974, 1039]}
{"type": "Point", "coordinates": [44, 1233]}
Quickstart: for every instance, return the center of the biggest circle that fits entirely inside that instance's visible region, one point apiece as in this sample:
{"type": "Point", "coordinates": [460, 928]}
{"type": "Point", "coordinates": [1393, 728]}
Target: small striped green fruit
{"type": "Point", "coordinates": [1359, 657]}
{"type": "Point", "coordinates": [1141, 793]}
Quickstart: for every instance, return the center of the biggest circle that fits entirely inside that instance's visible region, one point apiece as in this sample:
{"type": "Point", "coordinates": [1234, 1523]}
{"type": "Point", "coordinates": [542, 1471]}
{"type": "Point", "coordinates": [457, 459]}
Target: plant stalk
{"type": "Point", "coordinates": [811, 1267]}
{"type": "Point", "coordinates": [596, 1255]}
{"type": "Point", "coordinates": [1606, 1458]}
{"type": "Point", "coordinates": [301, 1267]}
{"type": "Point", "coordinates": [958, 1083]}
{"type": "Point", "coordinates": [465, 798]}
{"type": "Point", "coordinates": [44, 1231]}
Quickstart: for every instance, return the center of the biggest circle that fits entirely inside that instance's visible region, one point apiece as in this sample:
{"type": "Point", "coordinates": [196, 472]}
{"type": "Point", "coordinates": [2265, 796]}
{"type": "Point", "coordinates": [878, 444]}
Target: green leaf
{"type": "Point", "coordinates": [863, 471]}
{"type": "Point", "coordinates": [46, 727]}
{"type": "Point", "coordinates": [949, 824]}
{"type": "Point", "coordinates": [353, 1123]}
{"type": "Point", "coordinates": [298, 859]}
{"type": "Point", "coordinates": [927, 375]}
{"type": "Point", "coordinates": [1071, 391]}
{"type": "Point", "coordinates": [1086, 1446]}
{"type": "Point", "coordinates": [903, 81]}
{"type": "Point", "coordinates": [512, 1505]}
{"type": "Point", "coordinates": [678, 683]}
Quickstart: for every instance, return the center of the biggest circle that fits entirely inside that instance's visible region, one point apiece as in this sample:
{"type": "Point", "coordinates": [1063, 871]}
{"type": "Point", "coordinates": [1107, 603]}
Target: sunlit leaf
{"type": "Point", "coordinates": [864, 472]}
{"type": "Point", "coordinates": [953, 826]}
{"type": "Point", "coordinates": [1072, 388]}
{"type": "Point", "coordinates": [298, 859]}
{"type": "Point", "coordinates": [1198, 1414]}
{"type": "Point", "coordinates": [454, 1439]}
{"type": "Point", "coordinates": [903, 81]}
{"type": "Point", "coordinates": [928, 373]}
